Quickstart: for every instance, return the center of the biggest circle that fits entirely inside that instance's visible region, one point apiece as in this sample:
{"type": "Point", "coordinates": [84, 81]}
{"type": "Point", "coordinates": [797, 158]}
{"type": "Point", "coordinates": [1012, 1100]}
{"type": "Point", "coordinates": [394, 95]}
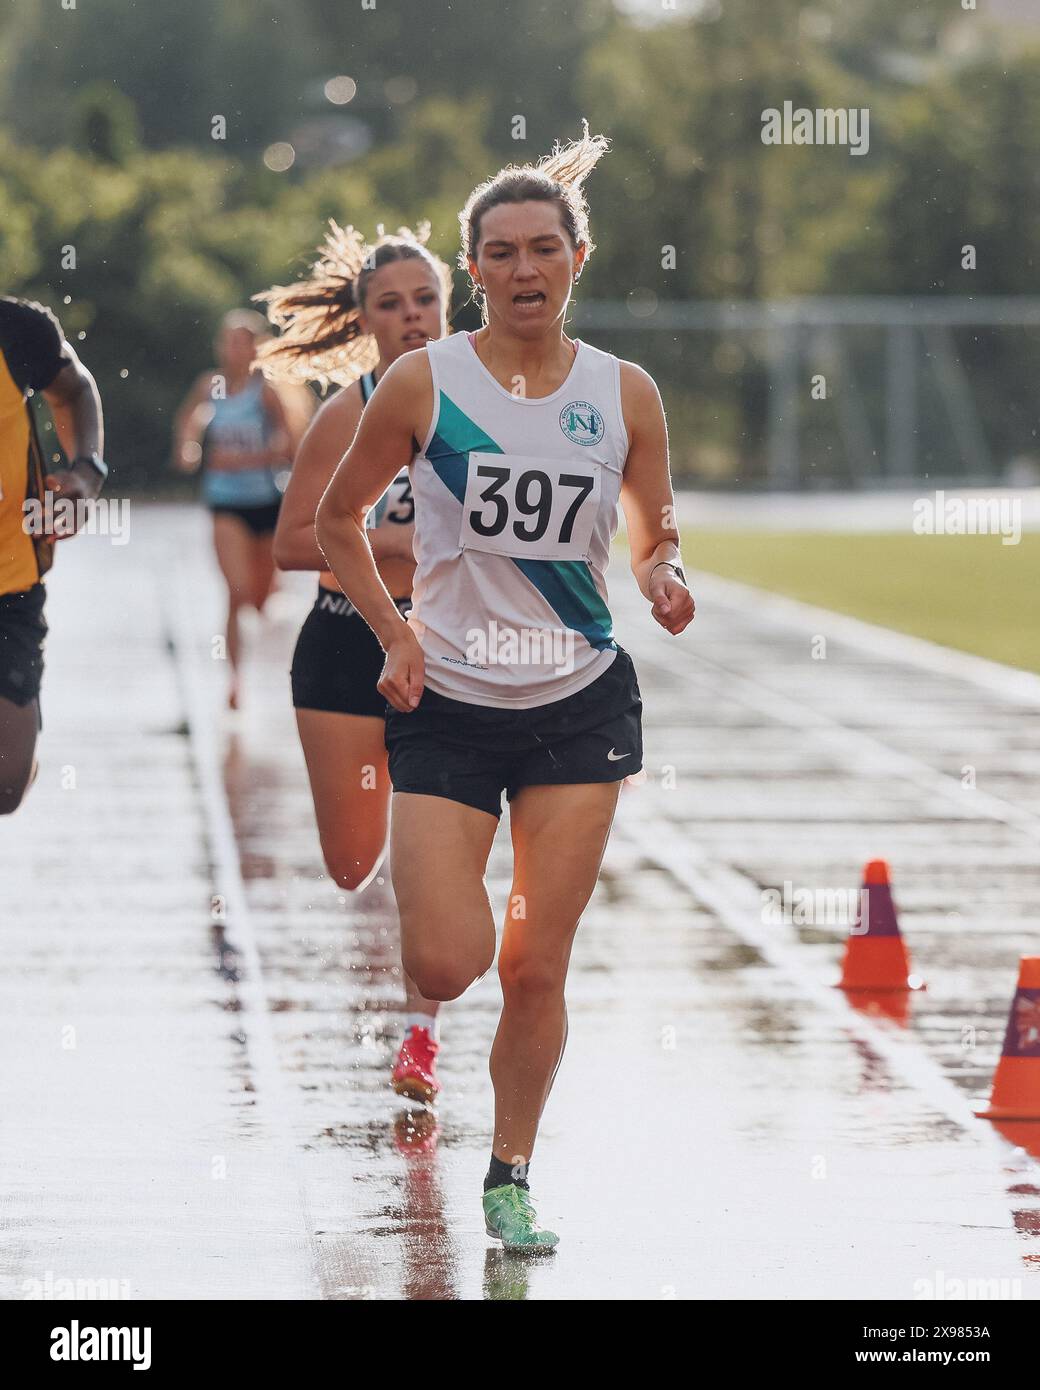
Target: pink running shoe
{"type": "Point", "coordinates": [415, 1071]}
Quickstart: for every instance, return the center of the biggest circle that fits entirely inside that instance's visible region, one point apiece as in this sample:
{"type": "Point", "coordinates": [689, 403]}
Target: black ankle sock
{"type": "Point", "coordinates": [500, 1172]}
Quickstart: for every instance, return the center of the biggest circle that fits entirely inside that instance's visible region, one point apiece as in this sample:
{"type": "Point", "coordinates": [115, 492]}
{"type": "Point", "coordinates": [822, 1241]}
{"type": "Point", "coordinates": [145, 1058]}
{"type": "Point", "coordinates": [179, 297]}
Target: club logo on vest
{"type": "Point", "coordinates": [582, 423]}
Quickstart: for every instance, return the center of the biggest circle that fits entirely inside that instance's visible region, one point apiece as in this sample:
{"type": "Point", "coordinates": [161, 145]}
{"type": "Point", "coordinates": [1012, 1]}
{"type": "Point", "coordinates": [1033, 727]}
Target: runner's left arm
{"type": "Point", "coordinates": [295, 545]}
{"type": "Point", "coordinates": [75, 404]}
{"type": "Point", "coordinates": [646, 496]}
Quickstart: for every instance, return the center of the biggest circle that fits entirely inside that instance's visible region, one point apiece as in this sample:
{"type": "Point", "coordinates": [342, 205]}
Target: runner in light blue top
{"type": "Point", "coordinates": [233, 424]}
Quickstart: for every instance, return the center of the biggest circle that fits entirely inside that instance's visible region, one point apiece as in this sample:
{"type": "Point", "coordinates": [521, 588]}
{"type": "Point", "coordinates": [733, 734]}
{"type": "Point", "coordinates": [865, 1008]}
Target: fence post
{"type": "Point", "coordinates": [901, 393]}
{"type": "Point", "coordinates": [782, 464]}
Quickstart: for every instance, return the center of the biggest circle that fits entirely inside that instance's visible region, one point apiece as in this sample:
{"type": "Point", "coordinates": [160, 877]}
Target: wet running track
{"type": "Point", "coordinates": [197, 1026]}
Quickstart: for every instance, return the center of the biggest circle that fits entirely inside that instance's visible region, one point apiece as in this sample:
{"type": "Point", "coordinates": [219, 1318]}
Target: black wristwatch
{"type": "Point", "coordinates": [678, 569]}
{"type": "Point", "coordinates": [95, 460]}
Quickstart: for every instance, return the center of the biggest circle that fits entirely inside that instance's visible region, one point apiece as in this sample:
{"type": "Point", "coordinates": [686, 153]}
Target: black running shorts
{"type": "Point", "coordinates": [22, 632]}
{"type": "Point", "coordinates": [337, 660]}
{"type": "Point", "coordinates": [259, 521]}
{"type": "Point", "coordinates": [470, 753]}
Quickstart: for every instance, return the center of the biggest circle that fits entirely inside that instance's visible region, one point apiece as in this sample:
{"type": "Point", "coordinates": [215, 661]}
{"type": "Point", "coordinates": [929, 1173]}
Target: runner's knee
{"type": "Point", "coordinates": [349, 874]}
{"type": "Point", "coordinates": [351, 850]}
{"type": "Point", "coordinates": [527, 978]}
{"type": "Point", "coordinates": [12, 797]}
{"type": "Point", "coordinates": [443, 978]}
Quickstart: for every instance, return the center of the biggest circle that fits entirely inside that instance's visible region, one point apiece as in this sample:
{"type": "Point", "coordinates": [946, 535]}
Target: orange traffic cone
{"type": "Point", "coordinates": [893, 1004]}
{"type": "Point", "coordinates": [1020, 1134]}
{"type": "Point", "coordinates": [876, 957]}
{"type": "Point", "coordinates": [1016, 1082]}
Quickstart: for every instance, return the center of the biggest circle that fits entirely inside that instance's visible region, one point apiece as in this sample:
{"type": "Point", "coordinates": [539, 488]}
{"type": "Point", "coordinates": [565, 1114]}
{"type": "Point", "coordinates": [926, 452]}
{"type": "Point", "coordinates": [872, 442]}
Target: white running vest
{"type": "Point", "coordinates": [515, 508]}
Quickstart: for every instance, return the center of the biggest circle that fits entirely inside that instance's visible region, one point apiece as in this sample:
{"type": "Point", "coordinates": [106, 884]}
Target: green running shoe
{"type": "Point", "coordinates": [510, 1217]}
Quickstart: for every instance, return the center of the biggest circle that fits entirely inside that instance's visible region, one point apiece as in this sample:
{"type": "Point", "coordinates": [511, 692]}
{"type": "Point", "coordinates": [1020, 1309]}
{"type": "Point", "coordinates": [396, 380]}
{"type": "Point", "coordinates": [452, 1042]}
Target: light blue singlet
{"type": "Point", "coordinates": [240, 422]}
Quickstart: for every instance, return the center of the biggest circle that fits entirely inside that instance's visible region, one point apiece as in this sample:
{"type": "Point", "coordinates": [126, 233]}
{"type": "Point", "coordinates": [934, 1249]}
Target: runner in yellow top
{"type": "Point", "coordinates": [34, 356]}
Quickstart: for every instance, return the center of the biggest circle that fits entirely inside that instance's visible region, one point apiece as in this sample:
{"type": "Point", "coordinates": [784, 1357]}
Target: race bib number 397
{"type": "Point", "coordinates": [538, 509]}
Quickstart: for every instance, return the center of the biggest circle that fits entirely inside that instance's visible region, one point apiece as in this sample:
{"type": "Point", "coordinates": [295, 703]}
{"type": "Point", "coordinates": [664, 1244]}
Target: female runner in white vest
{"type": "Point", "coordinates": [505, 676]}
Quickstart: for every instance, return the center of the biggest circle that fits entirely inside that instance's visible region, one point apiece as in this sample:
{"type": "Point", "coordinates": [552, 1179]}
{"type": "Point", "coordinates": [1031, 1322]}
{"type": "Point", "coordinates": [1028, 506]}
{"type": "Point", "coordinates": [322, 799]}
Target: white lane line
{"type": "Point", "coordinates": [843, 742]}
{"type": "Point", "coordinates": [271, 1095]}
{"type": "Point", "coordinates": [1006, 682]}
{"type": "Point", "coordinates": [884, 510]}
{"type": "Point", "coordinates": [736, 900]}
{"type": "Point", "coordinates": [737, 905]}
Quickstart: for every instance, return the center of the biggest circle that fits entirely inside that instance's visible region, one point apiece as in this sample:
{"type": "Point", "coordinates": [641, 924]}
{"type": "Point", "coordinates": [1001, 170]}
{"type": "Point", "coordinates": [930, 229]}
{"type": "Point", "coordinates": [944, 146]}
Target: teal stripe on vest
{"type": "Point", "coordinates": [455, 437]}
{"type": "Point", "coordinates": [566, 585]}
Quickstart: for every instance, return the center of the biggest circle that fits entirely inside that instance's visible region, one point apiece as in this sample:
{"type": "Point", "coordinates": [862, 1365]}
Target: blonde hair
{"type": "Point", "coordinates": [556, 178]}
{"type": "Point", "coordinates": [321, 339]}
{"type": "Point", "coordinates": [247, 319]}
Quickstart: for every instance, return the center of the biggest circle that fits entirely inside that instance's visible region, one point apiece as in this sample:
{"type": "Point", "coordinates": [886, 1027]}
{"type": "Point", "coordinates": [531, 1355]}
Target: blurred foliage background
{"type": "Point", "coordinates": [106, 146]}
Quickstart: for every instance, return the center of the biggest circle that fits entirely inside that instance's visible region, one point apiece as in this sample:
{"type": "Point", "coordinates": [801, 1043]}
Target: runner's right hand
{"type": "Point", "coordinates": [404, 672]}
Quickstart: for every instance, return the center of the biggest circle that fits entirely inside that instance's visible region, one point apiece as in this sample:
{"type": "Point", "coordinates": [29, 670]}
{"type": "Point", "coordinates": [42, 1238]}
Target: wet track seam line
{"type": "Point", "coordinates": [1008, 683]}
{"type": "Point", "coordinates": [809, 719]}
{"type": "Point", "coordinates": [658, 841]}
{"type": "Point", "coordinates": [271, 1092]}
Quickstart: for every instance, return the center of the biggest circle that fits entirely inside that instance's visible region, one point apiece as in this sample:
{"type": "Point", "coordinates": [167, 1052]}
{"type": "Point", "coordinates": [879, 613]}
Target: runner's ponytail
{"type": "Point", "coordinates": [321, 339]}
